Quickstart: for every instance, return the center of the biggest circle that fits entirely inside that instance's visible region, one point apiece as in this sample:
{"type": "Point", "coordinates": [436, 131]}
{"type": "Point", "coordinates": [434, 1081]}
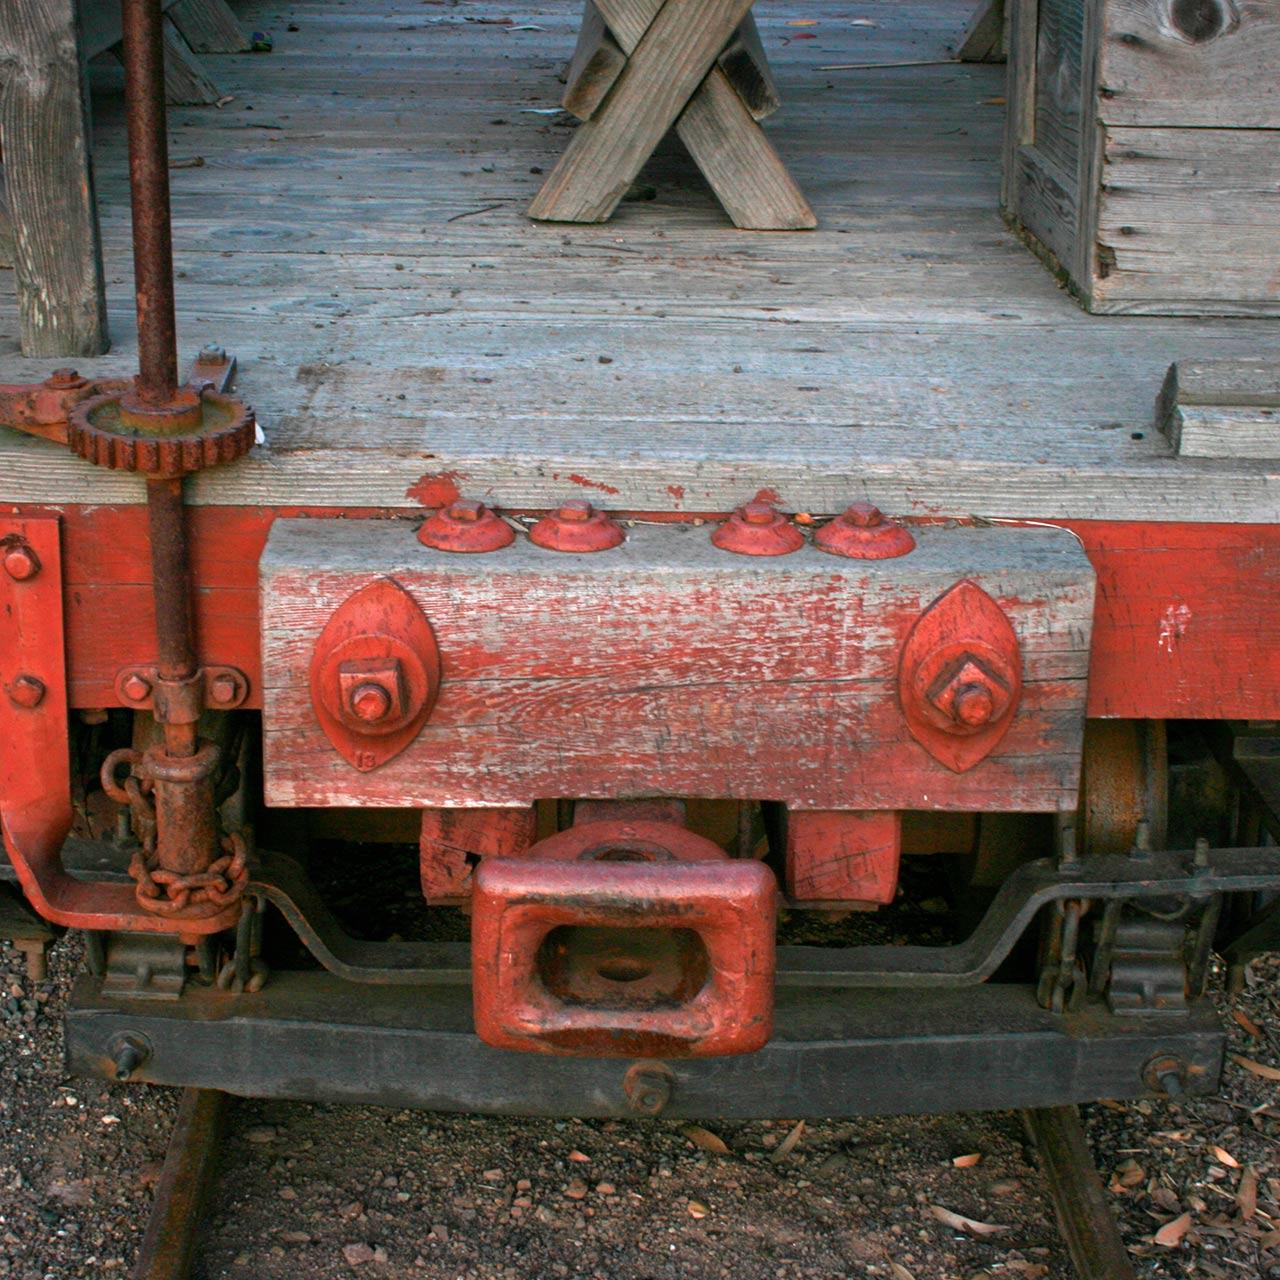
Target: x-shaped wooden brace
{"type": "Point", "coordinates": [671, 76]}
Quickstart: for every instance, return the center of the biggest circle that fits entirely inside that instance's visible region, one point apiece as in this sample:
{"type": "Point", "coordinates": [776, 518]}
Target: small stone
{"type": "Point", "coordinates": [579, 1157]}
{"type": "Point", "coordinates": [287, 1193]}
{"type": "Point", "coordinates": [379, 1254]}
{"type": "Point", "coordinates": [295, 1237]}
{"type": "Point", "coordinates": [492, 1175]}
{"type": "Point", "coordinates": [441, 1232]}
{"type": "Point", "coordinates": [1006, 1187]}
{"type": "Point", "coordinates": [260, 1133]}
{"type": "Point", "coordinates": [357, 1254]}
{"type": "Point", "coordinates": [605, 1188]}
{"type": "Point", "coordinates": [576, 1190]}
{"type": "Point", "coordinates": [523, 1184]}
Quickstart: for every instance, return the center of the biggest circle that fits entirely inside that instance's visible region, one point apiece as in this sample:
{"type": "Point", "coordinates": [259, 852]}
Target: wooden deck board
{"type": "Point", "coordinates": [366, 255]}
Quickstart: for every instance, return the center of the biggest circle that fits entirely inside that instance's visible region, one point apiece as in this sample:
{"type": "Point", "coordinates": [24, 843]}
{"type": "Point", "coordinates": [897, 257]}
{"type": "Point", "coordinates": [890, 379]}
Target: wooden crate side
{"type": "Point", "coordinates": [1189, 222]}
{"type": "Point", "coordinates": [1209, 64]}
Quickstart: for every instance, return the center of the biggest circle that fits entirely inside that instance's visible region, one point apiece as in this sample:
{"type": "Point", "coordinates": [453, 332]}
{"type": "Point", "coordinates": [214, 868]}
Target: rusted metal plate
{"type": "Point", "coordinates": [666, 666]}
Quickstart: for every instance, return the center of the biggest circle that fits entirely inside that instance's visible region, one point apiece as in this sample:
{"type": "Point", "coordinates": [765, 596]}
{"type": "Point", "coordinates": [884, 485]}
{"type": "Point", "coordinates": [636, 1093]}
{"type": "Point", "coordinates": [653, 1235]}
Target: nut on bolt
{"type": "Point", "coordinates": [20, 562]}
{"type": "Point", "coordinates": [970, 697]}
{"type": "Point", "coordinates": [577, 526]}
{"type": "Point", "coordinates": [372, 693]}
{"type": "Point", "coordinates": [223, 689]}
{"type": "Point", "coordinates": [647, 1087]}
{"type": "Point", "coordinates": [135, 687]}
{"type": "Point", "coordinates": [862, 532]}
{"type": "Point", "coordinates": [758, 529]}
{"type": "Point", "coordinates": [467, 526]}
{"type": "Point", "coordinates": [27, 691]}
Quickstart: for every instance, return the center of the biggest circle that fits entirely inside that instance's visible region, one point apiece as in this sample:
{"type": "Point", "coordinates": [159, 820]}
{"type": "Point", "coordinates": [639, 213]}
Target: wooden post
{"type": "Point", "coordinates": [44, 129]}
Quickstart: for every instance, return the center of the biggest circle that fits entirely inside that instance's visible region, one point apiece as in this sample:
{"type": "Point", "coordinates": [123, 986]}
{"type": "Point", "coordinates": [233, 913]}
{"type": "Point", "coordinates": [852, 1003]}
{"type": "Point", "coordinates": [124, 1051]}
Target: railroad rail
{"type": "Point", "coordinates": [189, 1177]}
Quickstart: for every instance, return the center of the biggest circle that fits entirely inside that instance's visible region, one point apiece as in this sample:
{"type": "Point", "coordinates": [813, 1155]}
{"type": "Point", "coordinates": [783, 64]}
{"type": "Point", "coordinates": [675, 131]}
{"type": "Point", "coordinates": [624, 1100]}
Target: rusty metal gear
{"type": "Point", "coordinates": [199, 429]}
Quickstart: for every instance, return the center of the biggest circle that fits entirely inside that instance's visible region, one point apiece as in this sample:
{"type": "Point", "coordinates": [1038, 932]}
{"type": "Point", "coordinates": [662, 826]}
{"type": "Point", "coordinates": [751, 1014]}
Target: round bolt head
{"type": "Point", "coordinates": [135, 688]}
{"type": "Point", "coordinates": [222, 689]}
{"type": "Point", "coordinates": [21, 563]}
{"type": "Point", "coordinates": [575, 509]}
{"type": "Point", "coordinates": [973, 705]}
{"type": "Point", "coordinates": [27, 691]}
{"type": "Point", "coordinates": [370, 703]}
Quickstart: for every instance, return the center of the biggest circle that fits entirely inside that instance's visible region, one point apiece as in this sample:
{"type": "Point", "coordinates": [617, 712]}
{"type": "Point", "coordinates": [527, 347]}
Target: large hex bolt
{"type": "Point", "coordinates": [577, 526]}
{"type": "Point", "coordinates": [758, 529]}
{"type": "Point", "coordinates": [372, 694]}
{"type": "Point", "coordinates": [970, 697]}
{"type": "Point", "coordinates": [466, 526]}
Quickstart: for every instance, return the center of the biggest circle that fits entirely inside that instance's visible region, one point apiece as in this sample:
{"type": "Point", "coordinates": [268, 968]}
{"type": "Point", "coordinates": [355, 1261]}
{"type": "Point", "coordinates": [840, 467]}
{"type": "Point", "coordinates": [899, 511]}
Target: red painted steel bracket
{"type": "Point", "coordinates": [960, 681]}
{"type": "Point", "coordinates": [624, 939]}
{"type": "Point", "coordinates": [375, 674]}
{"type": "Point", "coordinates": [35, 767]}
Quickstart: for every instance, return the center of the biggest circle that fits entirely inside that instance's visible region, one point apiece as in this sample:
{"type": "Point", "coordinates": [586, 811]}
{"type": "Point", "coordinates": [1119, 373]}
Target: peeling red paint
{"type": "Point", "coordinates": [592, 484]}
{"type": "Point", "coordinates": [436, 490]}
{"type": "Point", "coordinates": [676, 491]}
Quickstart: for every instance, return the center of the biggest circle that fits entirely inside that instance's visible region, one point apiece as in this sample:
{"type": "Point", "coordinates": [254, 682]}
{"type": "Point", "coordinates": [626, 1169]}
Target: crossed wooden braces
{"type": "Point", "coordinates": [642, 66]}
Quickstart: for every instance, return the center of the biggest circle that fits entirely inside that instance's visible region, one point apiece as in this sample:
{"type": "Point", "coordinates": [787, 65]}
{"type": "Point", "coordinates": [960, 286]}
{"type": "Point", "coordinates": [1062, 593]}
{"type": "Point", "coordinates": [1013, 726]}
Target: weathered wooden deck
{"type": "Point", "coordinates": [357, 235]}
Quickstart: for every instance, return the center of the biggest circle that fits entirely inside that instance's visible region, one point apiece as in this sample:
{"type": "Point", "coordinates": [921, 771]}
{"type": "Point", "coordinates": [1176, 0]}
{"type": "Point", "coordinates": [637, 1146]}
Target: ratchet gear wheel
{"type": "Point", "coordinates": [198, 429]}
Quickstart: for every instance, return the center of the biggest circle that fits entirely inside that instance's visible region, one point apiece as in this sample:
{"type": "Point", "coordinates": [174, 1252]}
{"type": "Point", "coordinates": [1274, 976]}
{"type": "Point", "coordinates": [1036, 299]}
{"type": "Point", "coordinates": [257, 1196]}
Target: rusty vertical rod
{"type": "Point", "coordinates": [149, 193]}
{"type": "Point", "coordinates": [171, 592]}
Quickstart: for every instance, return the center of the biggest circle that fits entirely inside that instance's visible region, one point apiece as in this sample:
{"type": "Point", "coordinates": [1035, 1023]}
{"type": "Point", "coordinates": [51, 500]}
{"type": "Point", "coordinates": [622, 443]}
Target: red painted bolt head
{"type": "Point", "coordinates": [862, 532]}
{"type": "Point", "coordinates": [64, 379]}
{"type": "Point", "coordinates": [467, 526]}
{"type": "Point", "coordinates": [370, 703]}
{"type": "Point", "coordinates": [21, 563]}
{"type": "Point", "coordinates": [223, 689]}
{"type": "Point", "coordinates": [27, 691]}
{"type": "Point", "coordinates": [758, 529]}
{"type": "Point", "coordinates": [577, 526]}
{"type": "Point", "coordinates": [135, 687]}
{"type": "Point", "coordinates": [970, 697]}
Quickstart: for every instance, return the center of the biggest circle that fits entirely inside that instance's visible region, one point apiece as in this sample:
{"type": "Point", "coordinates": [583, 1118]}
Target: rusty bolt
{"type": "Point", "coordinates": [63, 379]}
{"type": "Point", "coordinates": [212, 354]}
{"type": "Point", "coordinates": [136, 688]}
{"type": "Point", "coordinates": [467, 509]}
{"type": "Point", "coordinates": [647, 1088]}
{"type": "Point", "coordinates": [862, 532]}
{"type": "Point", "coordinates": [370, 702]}
{"type": "Point", "coordinates": [757, 529]}
{"type": "Point", "coordinates": [21, 563]}
{"type": "Point", "coordinates": [466, 525]}
{"type": "Point", "coordinates": [223, 688]}
{"type": "Point", "coordinates": [26, 691]}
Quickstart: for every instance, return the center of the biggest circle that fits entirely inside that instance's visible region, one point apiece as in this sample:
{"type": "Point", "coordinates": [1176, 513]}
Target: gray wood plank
{"type": "Point", "coordinates": [1222, 408]}
{"type": "Point", "coordinates": [209, 26]}
{"type": "Point", "coordinates": [44, 124]}
{"type": "Point", "coordinates": [746, 65]}
{"type": "Point", "coordinates": [983, 37]}
{"type": "Point", "coordinates": [186, 82]}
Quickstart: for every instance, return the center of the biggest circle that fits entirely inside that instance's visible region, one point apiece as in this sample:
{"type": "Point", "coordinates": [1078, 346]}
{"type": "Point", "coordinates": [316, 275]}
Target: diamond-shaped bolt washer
{"type": "Point", "coordinates": [467, 526]}
{"type": "Point", "coordinates": [21, 563]}
{"type": "Point", "coordinates": [577, 526]}
{"type": "Point", "coordinates": [26, 691]}
{"type": "Point", "coordinates": [861, 532]}
{"type": "Point", "coordinates": [758, 529]}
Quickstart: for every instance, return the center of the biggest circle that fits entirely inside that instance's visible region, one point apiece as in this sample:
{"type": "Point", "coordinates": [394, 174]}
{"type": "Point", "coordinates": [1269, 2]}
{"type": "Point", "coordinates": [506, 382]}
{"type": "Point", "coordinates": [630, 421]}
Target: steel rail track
{"type": "Point", "coordinates": [1088, 1227]}
{"type": "Point", "coordinates": [183, 1191]}
{"type": "Point", "coordinates": [1085, 1220]}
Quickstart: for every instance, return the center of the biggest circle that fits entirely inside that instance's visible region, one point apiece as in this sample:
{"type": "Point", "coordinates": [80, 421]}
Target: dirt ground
{"type": "Point", "coordinates": [327, 1192]}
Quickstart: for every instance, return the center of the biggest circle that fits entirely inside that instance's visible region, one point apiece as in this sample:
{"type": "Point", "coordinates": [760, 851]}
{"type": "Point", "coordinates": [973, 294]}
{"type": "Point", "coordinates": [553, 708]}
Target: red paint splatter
{"type": "Point", "coordinates": [767, 495]}
{"type": "Point", "coordinates": [592, 484]}
{"type": "Point", "coordinates": [436, 490]}
{"type": "Point", "coordinates": [676, 491]}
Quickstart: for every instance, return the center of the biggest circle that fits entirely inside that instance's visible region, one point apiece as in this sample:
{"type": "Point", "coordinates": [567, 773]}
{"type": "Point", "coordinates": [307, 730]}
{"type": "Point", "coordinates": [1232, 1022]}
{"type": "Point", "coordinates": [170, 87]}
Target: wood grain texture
{"type": "Point", "coordinates": [1222, 408]}
{"type": "Point", "coordinates": [910, 350]}
{"type": "Point", "coordinates": [746, 67]}
{"type": "Point", "coordinates": [186, 82]}
{"type": "Point", "coordinates": [49, 187]}
{"type": "Point", "coordinates": [606, 153]}
{"type": "Point", "coordinates": [1189, 219]}
{"type": "Point", "coordinates": [596, 63]}
{"type": "Point", "coordinates": [667, 667]}
{"type": "Point", "coordinates": [983, 36]}
{"type": "Point", "coordinates": [1208, 65]}
{"type": "Point", "coordinates": [209, 26]}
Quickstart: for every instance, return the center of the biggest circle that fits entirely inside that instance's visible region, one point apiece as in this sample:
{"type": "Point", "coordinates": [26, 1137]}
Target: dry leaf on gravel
{"type": "Point", "coordinates": [1170, 1235]}
{"type": "Point", "coordinates": [1223, 1156]}
{"type": "Point", "coordinates": [958, 1222]}
{"type": "Point", "coordinates": [788, 1144]}
{"type": "Point", "coordinates": [1247, 1194]}
{"type": "Point", "coordinates": [1129, 1174]}
{"type": "Point", "coordinates": [1258, 1068]}
{"type": "Point", "coordinates": [967, 1162]}
{"type": "Point", "coordinates": [697, 1209]}
{"type": "Point", "coordinates": [705, 1140]}
{"type": "Point", "coordinates": [1247, 1023]}
{"type": "Point", "coordinates": [899, 1272]}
